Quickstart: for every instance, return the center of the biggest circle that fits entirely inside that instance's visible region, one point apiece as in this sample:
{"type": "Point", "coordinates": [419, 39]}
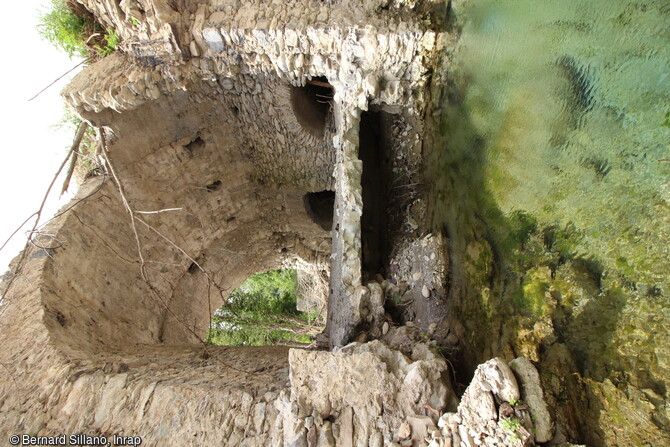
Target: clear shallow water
{"type": "Point", "coordinates": [557, 110]}
{"type": "Point", "coordinates": [553, 113]}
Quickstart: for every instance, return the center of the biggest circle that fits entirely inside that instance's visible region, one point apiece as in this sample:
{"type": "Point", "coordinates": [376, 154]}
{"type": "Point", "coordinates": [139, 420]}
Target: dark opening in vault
{"type": "Point", "coordinates": [311, 105]}
{"type": "Point", "coordinates": [319, 207]}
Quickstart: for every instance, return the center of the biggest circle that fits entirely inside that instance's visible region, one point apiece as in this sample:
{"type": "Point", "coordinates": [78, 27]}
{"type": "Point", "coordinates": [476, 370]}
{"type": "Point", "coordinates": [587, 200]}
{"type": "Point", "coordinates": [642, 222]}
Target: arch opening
{"type": "Point", "coordinates": [270, 309]}
{"type": "Point", "coordinates": [311, 105]}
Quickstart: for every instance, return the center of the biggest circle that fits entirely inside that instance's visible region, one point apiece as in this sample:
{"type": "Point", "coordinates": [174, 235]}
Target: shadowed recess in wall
{"type": "Point", "coordinates": [319, 207]}
{"type": "Point", "coordinates": [374, 152]}
{"type": "Point", "coordinates": [195, 145]}
{"type": "Point", "coordinates": [311, 105]}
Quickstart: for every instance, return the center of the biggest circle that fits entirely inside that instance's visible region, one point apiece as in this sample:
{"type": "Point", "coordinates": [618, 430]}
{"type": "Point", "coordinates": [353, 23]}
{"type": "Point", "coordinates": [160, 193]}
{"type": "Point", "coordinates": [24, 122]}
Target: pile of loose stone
{"type": "Point", "coordinates": [503, 405]}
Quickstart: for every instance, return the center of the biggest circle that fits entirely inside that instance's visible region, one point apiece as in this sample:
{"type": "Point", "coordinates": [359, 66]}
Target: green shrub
{"type": "Point", "coordinates": [255, 335]}
{"type": "Point", "coordinates": [264, 313]}
{"type": "Point", "coordinates": [269, 293]}
{"type": "Point", "coordinates": [79, 35]}
{"type": "Point", "coordinates": [110, 45]}
{"type": "Point", "coordinates": [511, 426]}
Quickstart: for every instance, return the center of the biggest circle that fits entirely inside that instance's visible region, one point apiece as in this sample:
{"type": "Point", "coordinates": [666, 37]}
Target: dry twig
{"type": "Point", "coordinates": [37, 215]}
{"type": "Point", "coordinates": [81, 130]}
{"type": "Point", "coordinates": [58, 79]}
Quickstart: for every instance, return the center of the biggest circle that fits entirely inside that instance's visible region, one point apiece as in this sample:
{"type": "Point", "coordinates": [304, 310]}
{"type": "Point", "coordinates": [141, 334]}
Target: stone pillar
{"type": "Point", "coordinates": [346, 257]}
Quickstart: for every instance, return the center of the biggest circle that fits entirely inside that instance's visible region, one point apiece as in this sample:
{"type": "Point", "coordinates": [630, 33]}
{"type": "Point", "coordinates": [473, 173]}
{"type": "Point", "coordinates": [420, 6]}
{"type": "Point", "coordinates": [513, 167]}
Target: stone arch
{"type": "Point", "coordinates": [214, 140]}
{"type": "Point", "coordinates": [229, 222]}
{"type": "Point", "coordinates": [103, 329]}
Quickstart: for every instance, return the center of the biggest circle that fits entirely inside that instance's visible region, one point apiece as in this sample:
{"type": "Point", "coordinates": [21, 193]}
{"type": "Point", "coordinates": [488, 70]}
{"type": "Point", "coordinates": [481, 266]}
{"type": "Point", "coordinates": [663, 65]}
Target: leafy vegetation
{"type": "Point", "coordinates": [112, 41]}
{"type": "Point", "coordinates": [74, 30]}
{"type": "Point", "coordinates": [511, 425]}
{"type": "Point", "coordinates": [264, 313]}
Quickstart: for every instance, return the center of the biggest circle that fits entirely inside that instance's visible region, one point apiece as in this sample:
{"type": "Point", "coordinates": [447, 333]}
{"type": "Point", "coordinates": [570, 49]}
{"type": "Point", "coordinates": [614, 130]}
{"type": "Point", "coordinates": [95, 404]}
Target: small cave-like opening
{"type": "Point", "coordinates": [319, 207]}
{"type": "Point", "coordinates": [374, 152]}
{"type": "Point", "coordinates": [195, 145]}
{"type": "Point", "coordinates": [311, 105]}
{"type": "Point", "coordinates": [274, 308]}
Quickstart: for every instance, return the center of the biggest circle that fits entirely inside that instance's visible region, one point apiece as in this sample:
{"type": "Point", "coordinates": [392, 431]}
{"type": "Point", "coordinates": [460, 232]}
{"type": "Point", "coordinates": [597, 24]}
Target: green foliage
{"type": "Point", "coordinates": [264, 313]}
{"type": "Point", "coordinates": [625, 268]}
{"type": "Point", "coordinates": [63, 29]}
{"type": "Point", "coordinates": [265, 294]}
{"type": "Point", "coordinates": [534, 290]}
{"type": "Point", "coordinates": [510, 425]}
{"type": "Point", "coordinates": [666, 123]}
{"type": "Point", "coordinates": [564, 241]}
{"type": "Point", "coordinates": [521, 225]}
{"type": "Point", "coordinates": [255, 335]}
{"type": "Point", "coordinates": [75, 34]}
{"type": "Point", "coordinates": [111, 44]}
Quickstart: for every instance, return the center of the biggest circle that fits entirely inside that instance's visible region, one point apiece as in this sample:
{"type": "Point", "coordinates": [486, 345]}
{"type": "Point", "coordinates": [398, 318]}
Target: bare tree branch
{"type": "Point", "coordinates": [143, 270]}
{"type": "Point", "coordinates": [18, 229]}
{"type": "Point", "coordinates": [58, 79]}
{"type": "Point", "coordinates": [221, 289]}
{"type": "Point", "coordinates": [9, 373]}
{"type": "Point", "coordinates": [81, 130]}
{"type": "Point", "coordinates": [38, 214]}
{"type": "Point", "coordinates": [209, 307]}
{"type": "Point", "coordinates": [159, 211]}
{"type": "Point", "coordinates": [182, 251]}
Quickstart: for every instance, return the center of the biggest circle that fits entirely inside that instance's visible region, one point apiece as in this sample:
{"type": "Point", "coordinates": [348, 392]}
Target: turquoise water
{"type": "Point", "coordinates": [557, 110]}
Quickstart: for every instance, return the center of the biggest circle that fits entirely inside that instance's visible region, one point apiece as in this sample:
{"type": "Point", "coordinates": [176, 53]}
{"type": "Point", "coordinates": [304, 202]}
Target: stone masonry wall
{"type": "Point", "coordinates": [242, 54]}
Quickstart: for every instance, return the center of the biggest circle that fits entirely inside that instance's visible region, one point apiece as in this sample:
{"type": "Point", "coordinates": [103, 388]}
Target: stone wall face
{"type": "Point", "coordinates": [237, 201]}
{"type": "Point", "coordinates": [371, 53]}
{"type": "Point", "coordinates": [246, 53]}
